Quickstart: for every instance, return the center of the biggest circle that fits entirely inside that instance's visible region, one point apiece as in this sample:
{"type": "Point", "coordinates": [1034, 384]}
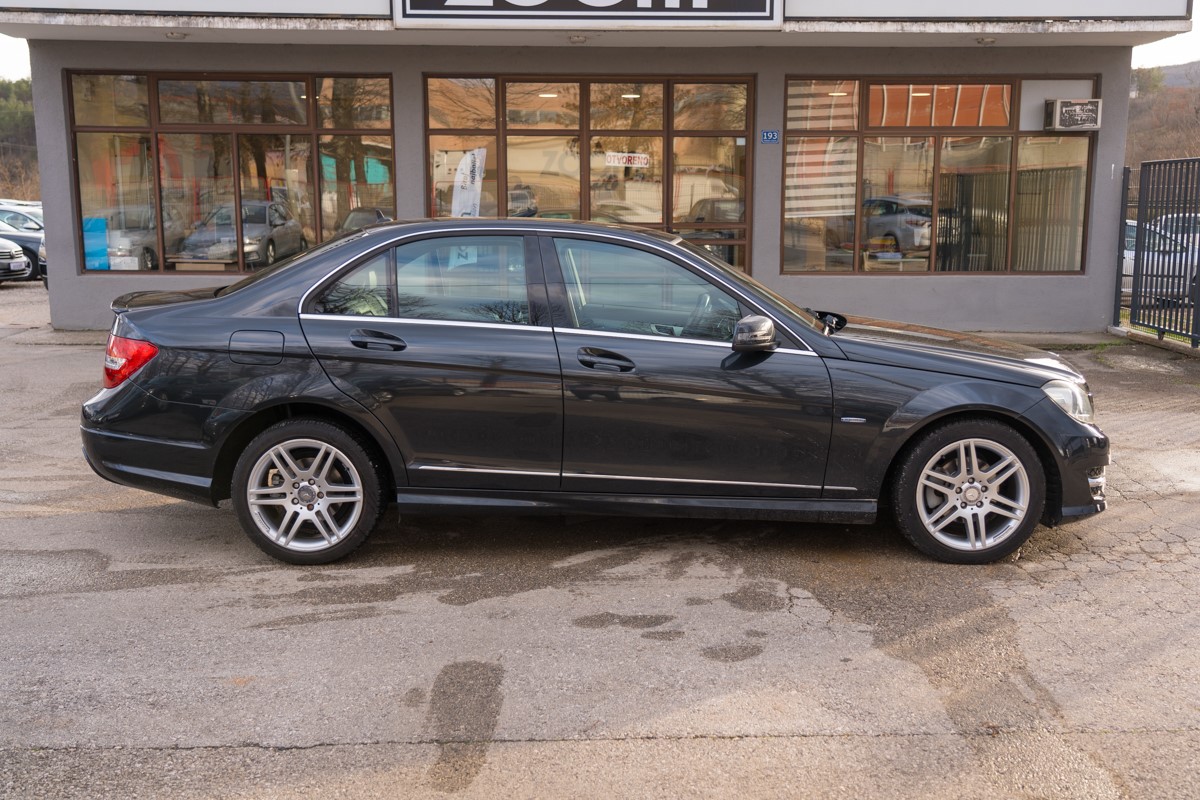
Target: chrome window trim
{"type": "Point", "coordinates": [671, 339]}
{"type": "Point", "coordinates": [687, 480]}
{"type": "Point", "coordinates": [394, 239]}
{"type": "Point", "coordinates": [646, 336]}
{"type": "Point", "coordinates": [504, 326]}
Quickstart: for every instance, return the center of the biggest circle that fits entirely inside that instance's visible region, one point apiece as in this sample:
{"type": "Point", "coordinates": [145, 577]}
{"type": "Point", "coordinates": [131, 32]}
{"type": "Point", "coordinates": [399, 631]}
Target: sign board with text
{"type": "Point", "coordinates": [591, 14]}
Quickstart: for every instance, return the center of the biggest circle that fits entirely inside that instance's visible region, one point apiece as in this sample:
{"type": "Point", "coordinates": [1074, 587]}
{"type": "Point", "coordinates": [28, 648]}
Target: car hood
{"type": "Point", "coordinates": [916, 346]}
{"type": "Point", "coordinates": [160, 298]}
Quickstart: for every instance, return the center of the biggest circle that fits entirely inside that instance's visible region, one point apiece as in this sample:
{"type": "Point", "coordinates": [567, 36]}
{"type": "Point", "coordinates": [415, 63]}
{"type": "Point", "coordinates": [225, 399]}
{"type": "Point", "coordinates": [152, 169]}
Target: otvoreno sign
{"type": "Point", "coordinates": [639, 160]}
{"type": "Point", "coordinates": [590, 13]}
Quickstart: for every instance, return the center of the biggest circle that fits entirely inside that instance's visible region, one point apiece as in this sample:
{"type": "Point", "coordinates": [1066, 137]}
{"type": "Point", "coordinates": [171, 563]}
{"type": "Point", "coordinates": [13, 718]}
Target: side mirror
{"type": "Point", "coordinates": [833, 322]}
{"type": "Point", "coordinates": [31, 226]}
{"type": "Point", "coordinates": [754, 334]}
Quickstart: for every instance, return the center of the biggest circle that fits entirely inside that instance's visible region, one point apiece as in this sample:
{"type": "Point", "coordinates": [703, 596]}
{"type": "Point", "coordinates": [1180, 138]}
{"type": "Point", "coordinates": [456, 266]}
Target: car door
{"type": "Point", "coordinates": [655, 399]}
{"type": "Point", "coordinates": [446, 339]}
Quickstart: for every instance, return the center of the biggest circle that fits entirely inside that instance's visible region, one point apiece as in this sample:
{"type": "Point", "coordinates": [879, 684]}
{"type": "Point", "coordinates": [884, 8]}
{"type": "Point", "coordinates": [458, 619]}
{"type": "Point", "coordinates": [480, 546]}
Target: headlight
{"type": "Point", "coordinates": [42, 251]}
{"type": "Point", "coordinates": [252, 240]}
{"type": "Point", "coordinates": [1072, 398]}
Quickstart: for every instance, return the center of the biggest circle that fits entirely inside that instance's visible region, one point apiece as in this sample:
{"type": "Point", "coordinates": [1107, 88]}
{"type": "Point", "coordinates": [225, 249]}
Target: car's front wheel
{"type": "Point", "coordinates": [969, 492]}
{"type": "Point", "coordinates": [307, 491]}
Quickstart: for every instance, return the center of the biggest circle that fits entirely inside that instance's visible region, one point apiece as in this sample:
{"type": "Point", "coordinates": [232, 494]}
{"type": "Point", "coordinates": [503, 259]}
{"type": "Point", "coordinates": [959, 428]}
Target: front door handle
{"type": "Point", "coordinates": [376, 340]}
{"type": "Point", "coordinates": [604, 360]}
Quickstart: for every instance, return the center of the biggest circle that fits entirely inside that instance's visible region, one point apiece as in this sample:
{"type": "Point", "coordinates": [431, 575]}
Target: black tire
{"type": "Point", "coordinates": [35, 271]}
{"type": "Point", "coordinates": [941, 507]}
{"type": "Point", "coordinates": [295, 469]}
{"type": "Point", "coordinates": [270, 253]}
{"type": "Point", "coordinates": [303, 244]}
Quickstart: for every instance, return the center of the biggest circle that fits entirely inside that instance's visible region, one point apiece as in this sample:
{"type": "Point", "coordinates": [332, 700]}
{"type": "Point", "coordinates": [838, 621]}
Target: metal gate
{"type": "Point", "coordinates": [1162, 250]}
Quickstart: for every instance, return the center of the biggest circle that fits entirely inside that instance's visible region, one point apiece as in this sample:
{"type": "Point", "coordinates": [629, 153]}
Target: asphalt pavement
{"type": "Point", "coordinates": [148, 649]}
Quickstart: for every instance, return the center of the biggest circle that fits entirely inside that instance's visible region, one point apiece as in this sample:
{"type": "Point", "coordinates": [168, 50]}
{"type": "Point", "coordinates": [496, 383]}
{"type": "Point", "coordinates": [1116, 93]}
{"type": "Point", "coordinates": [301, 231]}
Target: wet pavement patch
{"type": "Point", "coordinates": [464, 707]}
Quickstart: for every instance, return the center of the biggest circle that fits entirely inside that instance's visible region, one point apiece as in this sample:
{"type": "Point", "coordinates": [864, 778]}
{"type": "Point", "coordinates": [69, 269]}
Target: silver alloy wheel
{"type": "Point", "coordinates": [304, 495]}
{"type": "Point", "coordinates": [973, 494]}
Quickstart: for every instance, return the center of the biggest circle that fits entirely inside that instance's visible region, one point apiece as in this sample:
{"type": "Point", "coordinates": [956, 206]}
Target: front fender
{"type": "Point", "coordinates": [878, 409]}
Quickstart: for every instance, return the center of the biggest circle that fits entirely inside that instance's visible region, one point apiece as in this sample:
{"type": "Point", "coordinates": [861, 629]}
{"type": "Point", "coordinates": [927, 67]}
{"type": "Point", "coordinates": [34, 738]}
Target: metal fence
{"type": "Point", "coordinates": [1161, 250]}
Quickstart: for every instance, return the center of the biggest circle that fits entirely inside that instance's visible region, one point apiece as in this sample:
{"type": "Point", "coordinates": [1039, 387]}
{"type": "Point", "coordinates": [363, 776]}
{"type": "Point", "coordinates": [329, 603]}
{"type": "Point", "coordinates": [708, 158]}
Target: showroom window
{"type": "Point", "coordinates": [670, 154]}
{"type": "Point", "coordinates": [909, 176]}
{"type": "Point", "coordinates": [178, 173]}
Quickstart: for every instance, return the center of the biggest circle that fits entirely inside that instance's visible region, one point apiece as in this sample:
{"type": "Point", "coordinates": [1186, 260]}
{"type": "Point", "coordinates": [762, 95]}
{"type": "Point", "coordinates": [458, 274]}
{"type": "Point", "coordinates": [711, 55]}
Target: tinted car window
{"type": "Point", "coordinates": [365, 292]}
{"type": "Point", "coordinates": [624, 290]}
{"type": "Point", "coordinates": [461, 278]}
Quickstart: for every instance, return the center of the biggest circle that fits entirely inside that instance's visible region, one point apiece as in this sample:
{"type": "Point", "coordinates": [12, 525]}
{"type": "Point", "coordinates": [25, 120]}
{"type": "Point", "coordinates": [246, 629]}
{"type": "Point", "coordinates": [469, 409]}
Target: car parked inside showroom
{"type": "Point", "coordinates": [540, 366]}
{"type": "Point", "coordinates": [269, 232]}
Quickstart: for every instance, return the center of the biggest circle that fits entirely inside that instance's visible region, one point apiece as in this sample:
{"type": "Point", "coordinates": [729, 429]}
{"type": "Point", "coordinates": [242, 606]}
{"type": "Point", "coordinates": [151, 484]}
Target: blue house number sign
{"type": "Point", "coordinates": [770, 137]}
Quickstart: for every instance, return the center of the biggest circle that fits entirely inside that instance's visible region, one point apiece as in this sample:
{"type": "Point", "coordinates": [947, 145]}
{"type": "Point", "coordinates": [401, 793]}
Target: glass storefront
{"type": "Point", "coordinates": [658, 152]}
{"type": "Point", "coordinates": [180, 173]}
{"type": "Point", "coordinates": [918, 177]}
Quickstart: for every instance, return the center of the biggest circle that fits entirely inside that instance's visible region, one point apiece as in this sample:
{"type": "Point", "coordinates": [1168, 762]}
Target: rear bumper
{"type": "Point", "coordinates": [113, 456]}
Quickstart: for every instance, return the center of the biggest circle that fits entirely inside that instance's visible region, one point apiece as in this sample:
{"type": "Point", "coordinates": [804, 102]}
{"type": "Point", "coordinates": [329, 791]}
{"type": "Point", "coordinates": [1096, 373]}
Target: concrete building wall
{"type": "Point", "coordinates": [969, 302]}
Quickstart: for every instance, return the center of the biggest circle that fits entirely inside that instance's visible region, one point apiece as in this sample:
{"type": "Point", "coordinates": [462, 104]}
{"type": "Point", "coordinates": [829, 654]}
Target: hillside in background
{"type": "Point", "coordinates": [1182, 76]}
{"type": "Point", "coordinates": [1164, 117]}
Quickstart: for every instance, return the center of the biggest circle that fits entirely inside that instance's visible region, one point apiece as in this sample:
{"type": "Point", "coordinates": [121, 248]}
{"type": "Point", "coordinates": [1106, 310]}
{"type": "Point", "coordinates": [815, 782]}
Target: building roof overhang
{"type": "Point", "coordinates": [129, 27]}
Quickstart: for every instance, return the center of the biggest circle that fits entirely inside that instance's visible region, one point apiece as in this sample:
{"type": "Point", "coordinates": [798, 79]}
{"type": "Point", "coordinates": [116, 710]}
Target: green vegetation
{"type": "Point", "coordinates": [18, 142]}
{"type": "Point", "coordinates": [1164, 117]}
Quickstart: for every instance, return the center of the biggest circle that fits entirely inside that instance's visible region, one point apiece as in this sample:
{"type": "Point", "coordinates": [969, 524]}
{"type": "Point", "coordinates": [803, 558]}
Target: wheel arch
{"type": "Point", "coordinates": [1027, 431]}
{"type": "Point", "coordinates": [240, 436]}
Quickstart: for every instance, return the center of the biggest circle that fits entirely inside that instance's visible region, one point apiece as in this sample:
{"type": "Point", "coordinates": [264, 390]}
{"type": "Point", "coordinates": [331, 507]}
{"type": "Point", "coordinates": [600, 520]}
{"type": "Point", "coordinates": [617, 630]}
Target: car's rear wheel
{"type": "Point", "coordinates": [969, 492]}
{"type": "Point", "coordinates": [307, 491]}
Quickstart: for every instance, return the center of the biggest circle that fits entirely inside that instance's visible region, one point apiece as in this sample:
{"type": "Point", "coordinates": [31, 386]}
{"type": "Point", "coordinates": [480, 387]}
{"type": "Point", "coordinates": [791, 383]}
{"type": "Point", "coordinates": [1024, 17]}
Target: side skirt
{"type": "Point", "coordinates": [461, 501]}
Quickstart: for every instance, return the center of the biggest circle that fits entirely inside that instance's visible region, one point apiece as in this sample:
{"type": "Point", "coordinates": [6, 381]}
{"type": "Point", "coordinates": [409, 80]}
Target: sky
{"type": "Point", "coordinates": [14, 55]}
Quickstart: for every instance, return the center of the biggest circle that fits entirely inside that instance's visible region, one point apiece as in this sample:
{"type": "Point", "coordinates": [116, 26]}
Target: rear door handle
{"type": "Point", "coordinates": [604, 361]}
{"type": "Point", "coordinates": [376, 340]}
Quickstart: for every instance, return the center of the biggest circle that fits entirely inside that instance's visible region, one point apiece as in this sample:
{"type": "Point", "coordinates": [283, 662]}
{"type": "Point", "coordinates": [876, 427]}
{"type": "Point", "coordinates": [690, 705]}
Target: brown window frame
{"type": "Point", "coordinates": [311, 128]}
{"type": "Point", "coordinates": [939, 134]}
{"type": "Point", "coordinates": [668, 132]}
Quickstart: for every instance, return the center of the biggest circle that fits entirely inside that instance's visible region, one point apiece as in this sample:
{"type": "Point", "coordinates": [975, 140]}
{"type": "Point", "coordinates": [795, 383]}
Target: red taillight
{"type": "Point", "coordinates": [125, 357]}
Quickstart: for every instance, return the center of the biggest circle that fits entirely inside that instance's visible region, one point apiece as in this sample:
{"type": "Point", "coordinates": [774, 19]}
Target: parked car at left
{"type": "Point", "coordinates": [1169, 267]}
{"type": "Point", "coordinates": [22, 216]}
{"type": "Point", "coordinates": [14, 264]}
{"type": "Point", "coordinates": [32, 244]}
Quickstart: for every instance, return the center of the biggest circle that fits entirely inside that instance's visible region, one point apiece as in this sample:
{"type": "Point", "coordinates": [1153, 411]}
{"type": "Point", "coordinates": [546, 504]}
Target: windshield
{"type": "Point", "coordinates": [319, 250]}
{"type": "Point", "coordinates": [802, 315]}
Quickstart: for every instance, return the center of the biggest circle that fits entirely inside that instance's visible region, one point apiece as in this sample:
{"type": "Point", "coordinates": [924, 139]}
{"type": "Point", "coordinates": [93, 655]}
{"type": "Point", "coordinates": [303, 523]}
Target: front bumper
{"type": "Point", "coordinates": [1081, 456]}
{"type": "Point", "coordinates": [16, 269]}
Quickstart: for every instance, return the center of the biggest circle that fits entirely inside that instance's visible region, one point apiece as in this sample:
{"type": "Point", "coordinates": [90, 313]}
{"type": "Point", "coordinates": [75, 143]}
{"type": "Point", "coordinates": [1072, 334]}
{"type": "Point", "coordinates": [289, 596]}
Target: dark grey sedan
{"type": "Point", "coordinates": [533, 366]}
